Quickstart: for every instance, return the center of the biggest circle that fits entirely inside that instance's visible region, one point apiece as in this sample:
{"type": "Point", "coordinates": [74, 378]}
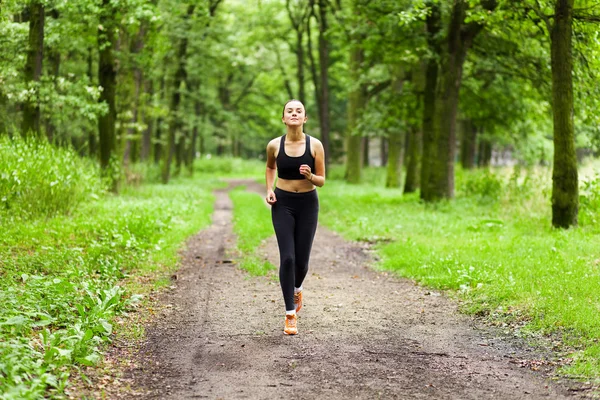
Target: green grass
{"type": "Point", "coordinates": [64, 271]}
{"type": "Point", "coordinates": [39, 180]}
{"type": "Point", "coordinates": [493, 246]}
{"type": "Point", "coordinates": [252, 225]}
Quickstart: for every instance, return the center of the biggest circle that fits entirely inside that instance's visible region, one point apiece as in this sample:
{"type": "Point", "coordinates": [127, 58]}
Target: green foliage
{"type": "Point", "coordinates": [252, 225]}
{"type": "Point", "coordinates": [501, 257]}
{"type": "Point", "coordinates": [589, 202]}
{"type": "Point", "coordinates": [60, 279]}
{"type": "Point", "coordinates": [482, 184]}
{"type": "Point", "coordinates": [39, 180]}
{"type": "Point", "coordinates": [229, 167]}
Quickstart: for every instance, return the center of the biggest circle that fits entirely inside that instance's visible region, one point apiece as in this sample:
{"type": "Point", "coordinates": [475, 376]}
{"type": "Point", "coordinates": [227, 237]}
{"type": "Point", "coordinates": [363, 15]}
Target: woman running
{"type": "Point", "coordinates": [299, 160]}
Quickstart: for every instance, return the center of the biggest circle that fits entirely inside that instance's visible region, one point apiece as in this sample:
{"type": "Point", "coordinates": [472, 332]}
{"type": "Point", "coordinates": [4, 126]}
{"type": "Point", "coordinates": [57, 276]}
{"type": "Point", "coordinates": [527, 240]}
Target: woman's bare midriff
{"type": "Point", "coordinates": [292, 185]}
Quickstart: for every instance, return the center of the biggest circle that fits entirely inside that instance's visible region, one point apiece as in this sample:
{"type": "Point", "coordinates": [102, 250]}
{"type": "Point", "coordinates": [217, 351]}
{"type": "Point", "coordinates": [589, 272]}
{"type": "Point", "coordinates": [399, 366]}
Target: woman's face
{"type": "Point", "coordinates": [294, 114]}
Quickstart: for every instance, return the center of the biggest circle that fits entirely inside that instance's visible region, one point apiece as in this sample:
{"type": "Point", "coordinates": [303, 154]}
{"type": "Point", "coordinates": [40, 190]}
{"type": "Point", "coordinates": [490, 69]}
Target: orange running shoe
{"type": "Point", "coordinates": [291, 324]}
{"type": "Point", "coordinates": [298, 300]}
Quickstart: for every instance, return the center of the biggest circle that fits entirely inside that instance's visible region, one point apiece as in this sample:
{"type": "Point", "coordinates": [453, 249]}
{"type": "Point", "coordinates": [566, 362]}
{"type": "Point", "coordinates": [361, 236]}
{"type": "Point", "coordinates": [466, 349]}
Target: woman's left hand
{"type": "Point", "coordinates": [305, 170]}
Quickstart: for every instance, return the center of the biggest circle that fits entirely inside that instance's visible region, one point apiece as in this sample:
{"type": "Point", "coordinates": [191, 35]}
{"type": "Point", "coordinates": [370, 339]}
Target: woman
{"type": "Point", "coordinates": [299, 160]}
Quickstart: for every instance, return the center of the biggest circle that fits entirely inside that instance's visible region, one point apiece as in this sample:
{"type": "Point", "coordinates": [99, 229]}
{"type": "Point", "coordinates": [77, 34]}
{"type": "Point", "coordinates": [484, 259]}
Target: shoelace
{"type": "Point", "coordinates": [291, 322]}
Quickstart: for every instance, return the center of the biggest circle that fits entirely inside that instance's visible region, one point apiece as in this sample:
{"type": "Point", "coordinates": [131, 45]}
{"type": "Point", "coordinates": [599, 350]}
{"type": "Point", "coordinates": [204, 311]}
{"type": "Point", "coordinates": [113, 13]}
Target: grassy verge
{"type": "Point", "coordinates": [252, 225]}
{"type": "Point", "coordinates": [494, 247]}
{"type": "Point", "coordinates": [66, 272]}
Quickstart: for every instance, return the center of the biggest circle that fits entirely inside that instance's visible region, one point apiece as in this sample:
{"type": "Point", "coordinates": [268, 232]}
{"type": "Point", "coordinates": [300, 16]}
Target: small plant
{"type": "Point", "coordinates": [589, 201]}
{"type": "Point", "coordinates": [481, 184]}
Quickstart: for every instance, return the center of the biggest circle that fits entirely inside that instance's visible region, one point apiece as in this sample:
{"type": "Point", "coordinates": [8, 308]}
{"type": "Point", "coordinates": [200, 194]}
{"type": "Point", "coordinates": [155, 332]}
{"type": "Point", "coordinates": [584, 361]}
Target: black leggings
{"type": "Point", "coordinates": [295, 221]}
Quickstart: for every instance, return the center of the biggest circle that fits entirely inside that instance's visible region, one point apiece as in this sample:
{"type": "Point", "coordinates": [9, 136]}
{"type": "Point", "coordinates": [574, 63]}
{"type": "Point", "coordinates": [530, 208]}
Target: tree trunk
{"type": "Point", "coordinates": [397, 140]}
{"type": "Point", "coordinates": [365, 162]}
{"type": "Point", "coordinates": [175, 123]}
{"type": "Point", "coordinates": [383, 150]}
{"type": "Point", "coordinates": [440, 183]}
{"type": "Point", "coordinates": [179, 153]}
{"type": "Point", "coordinates": [195, 134]}
{"type": "Point", "coordinates": [485, 153]}
{"type": "Point", "coordinates": [3, 114]}
{"type": "Point", "coordinates": [356, 104]}
{"type": "Point", "coordinates": [565, 194]}
{"type": "Point", "coordinates": [414, 159]}
{"type": "Point", "coordinates": [433, 23]}
{"type": "Point", "coordinates": [468, 144]}
{"type": "Point", "coordinates": [92, 133]}
{"type": "Point", "coordinates": [33, 70]}
{"type": "Point", "coordinates": [395, 159]}
{"type": "Point", "coordinates": [324, 117]}
{"type": "Point", "coordinates": [158, 146]}
{"type": "Point", "coordinates": [300, 62]}
{"type": "Point", "coordinates": [54, 60]}
{"type": "Point", "coordinates": [138, 78]}
{"type": "Point", "coordinates": [147, 134]}
{"type": "Point", "coordinates": [107, 77]}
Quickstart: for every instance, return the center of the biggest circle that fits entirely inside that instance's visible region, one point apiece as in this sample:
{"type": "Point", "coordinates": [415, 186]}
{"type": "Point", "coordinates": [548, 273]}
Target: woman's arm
{"type": "Point", "coordinates": [270, 172]}
{"type": "Point", "coordinates": [318, 175]}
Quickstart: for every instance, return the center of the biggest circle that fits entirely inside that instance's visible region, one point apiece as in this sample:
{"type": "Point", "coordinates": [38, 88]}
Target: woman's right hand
{"type": "Point", "coordinates": [271, 199]}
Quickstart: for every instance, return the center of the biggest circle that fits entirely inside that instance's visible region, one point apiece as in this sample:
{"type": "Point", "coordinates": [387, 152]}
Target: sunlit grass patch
{"type": "Point", "coordinates": [499, 254]}
{"type": "Point", "coordinates": [252, 225]}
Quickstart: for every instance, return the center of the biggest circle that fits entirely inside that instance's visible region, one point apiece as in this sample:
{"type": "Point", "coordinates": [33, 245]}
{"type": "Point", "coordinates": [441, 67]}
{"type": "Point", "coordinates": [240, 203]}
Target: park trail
{"type": "Point", "coordinates": [362, 334]}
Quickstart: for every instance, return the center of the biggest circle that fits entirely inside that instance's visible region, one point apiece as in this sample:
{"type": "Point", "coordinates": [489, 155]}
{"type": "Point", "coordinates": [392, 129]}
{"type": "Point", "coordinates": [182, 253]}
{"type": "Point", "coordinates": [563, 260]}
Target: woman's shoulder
{"type": "Point", "coordinates": [314, 140]}
{"type": "Point", "coordinates": [274, 143]}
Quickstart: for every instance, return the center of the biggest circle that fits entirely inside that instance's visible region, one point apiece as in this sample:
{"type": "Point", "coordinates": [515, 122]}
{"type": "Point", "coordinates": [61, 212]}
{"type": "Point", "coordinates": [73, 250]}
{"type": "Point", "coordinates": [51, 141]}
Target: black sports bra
{"type": "Point", "coordinates": [289, 167]}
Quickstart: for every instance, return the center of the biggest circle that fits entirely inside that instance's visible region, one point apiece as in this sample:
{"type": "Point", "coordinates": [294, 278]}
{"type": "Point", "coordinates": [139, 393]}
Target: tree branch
{"type": "Point", "coordinates": [380, 87]}
{"type": "Point", "coordinates": [245, 91]}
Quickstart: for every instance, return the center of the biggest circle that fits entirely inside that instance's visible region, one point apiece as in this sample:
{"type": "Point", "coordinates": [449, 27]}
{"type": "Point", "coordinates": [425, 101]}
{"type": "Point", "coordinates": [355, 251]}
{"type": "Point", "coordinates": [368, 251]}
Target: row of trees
{"type": "Point", "coordinates": [164, 80]}
{"type": "Point", "coordinates": [516, 59]}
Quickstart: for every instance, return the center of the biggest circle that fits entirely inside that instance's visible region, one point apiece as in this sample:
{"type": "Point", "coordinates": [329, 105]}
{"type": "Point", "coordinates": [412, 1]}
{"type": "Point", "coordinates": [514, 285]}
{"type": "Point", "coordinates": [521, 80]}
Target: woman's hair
{"type": "Point", "coordinates": [289, 101]}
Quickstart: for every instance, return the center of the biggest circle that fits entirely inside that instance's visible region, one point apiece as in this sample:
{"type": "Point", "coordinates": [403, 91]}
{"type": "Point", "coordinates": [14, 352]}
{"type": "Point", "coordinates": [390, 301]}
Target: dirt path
{"type": "Point", "coordinates": [363, 334]}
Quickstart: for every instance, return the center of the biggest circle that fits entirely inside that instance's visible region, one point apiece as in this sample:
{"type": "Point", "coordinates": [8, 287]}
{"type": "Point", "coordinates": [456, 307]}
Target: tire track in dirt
{"type": "Point", "coordinates": [363, 334]}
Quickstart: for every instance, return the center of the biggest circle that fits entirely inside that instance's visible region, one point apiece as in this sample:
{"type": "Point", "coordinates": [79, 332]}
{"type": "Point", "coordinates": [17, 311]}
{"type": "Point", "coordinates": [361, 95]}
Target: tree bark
{"type": "Point", "coordinates": [300, 62]}
{"type": "Point", "coordinates": [175, 123]}
{"type": "Point", "coordinates": [107, 77]}
{"type": "Point", "coordinates": [468, 144]}
{"type": "Point", "coordinates": [147, 134]}
{"type": "Point", "coordinates": [92, 133]}
{"type": "Point", "coordinates": [195, 133]}
{"type": "Point", "coordinates": [396, 140]}
{"type": "Point", "coordinates": [440, 183]}
{"type": "Point", "coordinates": [485, 153]}
{"type": "Point", "coordinates": [356, 104]}
{"type": "Point", "coordinates": [383, 150]}
{"type": "Point", "coordinates": [54, 60]}
{"type": "Point", "coordinates": [395, 159]}
{"type": "Point", "coordinates": [565, 192]}
{"type": "Point", "coordinates": [298, 20]}
{"type": "Point", "coordinates": [138, 79]}
{"type": "Point", "coordinates": [33, 70]}
{"type": "Point", "coordinates": [3, 114]}
{"type": "Point", "coordinates": [324, 117]}
{"type": "Point", "coordinates": [365, 161]}
{"type": "Point", "coordinates": [433, 24]}
{"type": "Point", "coordinates": [414, 159]}
{"type": "Point", "coordinates": [158, 146]}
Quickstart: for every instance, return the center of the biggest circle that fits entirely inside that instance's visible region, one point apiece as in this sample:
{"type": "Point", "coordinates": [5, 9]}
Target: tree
{"type": "Point", "coordinates": [299, 14]}
{"type": "Point", "coordinates": [33, 70]}
{"type": "Point", "coordinates": [565, 192]}
{"type": "Point", "coordinates": [440, 174]}
{"type": "Point", "coordinates": [107, 76]}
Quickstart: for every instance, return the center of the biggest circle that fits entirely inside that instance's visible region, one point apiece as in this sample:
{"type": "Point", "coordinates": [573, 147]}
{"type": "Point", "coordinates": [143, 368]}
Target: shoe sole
{"type": "Point", "coordinates": [290, 333]}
